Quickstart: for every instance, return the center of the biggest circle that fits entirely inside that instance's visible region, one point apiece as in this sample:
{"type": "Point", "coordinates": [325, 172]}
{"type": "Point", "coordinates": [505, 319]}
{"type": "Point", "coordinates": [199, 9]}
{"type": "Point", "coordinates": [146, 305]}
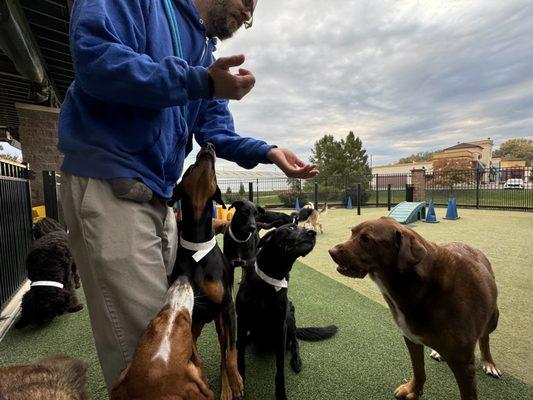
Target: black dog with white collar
{"type": "Point", "coordinates": [242, 234]}
{"type": "Point", "coordinates": [264, 313]}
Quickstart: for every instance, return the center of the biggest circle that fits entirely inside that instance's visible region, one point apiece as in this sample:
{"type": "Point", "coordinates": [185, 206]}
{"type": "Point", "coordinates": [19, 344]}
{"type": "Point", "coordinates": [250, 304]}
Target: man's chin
{"type": "Point", "coordinates": [351, 272]}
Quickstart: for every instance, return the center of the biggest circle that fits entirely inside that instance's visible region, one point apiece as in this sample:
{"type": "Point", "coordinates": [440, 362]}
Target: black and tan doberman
{"type": "Point", "coordinates": [209, 272]}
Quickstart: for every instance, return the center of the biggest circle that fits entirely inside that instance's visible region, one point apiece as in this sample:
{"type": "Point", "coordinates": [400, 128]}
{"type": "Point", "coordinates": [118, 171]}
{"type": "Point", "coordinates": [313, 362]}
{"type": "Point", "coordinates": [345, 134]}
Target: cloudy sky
{"type": "Point", "coordinates": [405, 75]}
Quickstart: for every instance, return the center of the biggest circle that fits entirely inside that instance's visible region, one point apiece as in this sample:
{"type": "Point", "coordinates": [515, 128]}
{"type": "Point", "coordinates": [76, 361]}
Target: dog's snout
{"type": "Point", "coordinates": [334, 253]}
{"type": "Point", "coordinates": [311, 233]}
{"type": "Point", "coordinates": [210, 147]}
{"type": "Point", "coordinates": [252, 228]}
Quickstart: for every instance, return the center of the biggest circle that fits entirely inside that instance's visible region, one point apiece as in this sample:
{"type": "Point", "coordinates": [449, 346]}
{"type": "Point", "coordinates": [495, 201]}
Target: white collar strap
{"type": "Point", "coordinates": [201, 249]}
{"type": "Point", "coordinates": [278, 285]}
{"type": "Point", "coordinates": [237, 240]}
{"type": "Point", "coordinates": [47, 283]}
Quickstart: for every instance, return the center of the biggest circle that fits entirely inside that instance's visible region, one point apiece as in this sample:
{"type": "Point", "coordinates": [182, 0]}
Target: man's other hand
{"type": "Point", "coordinates": [291, 165]}
{"type": "Point", "coordinates": [227, 85]}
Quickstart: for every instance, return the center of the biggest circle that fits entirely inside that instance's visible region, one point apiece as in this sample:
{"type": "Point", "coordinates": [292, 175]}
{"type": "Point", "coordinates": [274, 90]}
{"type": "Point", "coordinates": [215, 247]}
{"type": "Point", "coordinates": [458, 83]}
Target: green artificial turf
{"type": "Point", "coordinates": [366, 360]}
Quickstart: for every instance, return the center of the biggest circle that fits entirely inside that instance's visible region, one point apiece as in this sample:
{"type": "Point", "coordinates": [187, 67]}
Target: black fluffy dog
{"type": "Point", "coordinates": [241, 236]}
{"type": "Point", "coordinates": [264, 313]}
{"type": "Point", "coordinates": [49, 266]}
{"type": "Point", "coordinates": [44, 226]}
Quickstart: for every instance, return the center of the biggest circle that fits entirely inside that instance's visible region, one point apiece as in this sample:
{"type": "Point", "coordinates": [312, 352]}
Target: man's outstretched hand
{"type": "Point", "coordinates": [227, 85]}
{"type": "Point", "coordinates": [291, 165]}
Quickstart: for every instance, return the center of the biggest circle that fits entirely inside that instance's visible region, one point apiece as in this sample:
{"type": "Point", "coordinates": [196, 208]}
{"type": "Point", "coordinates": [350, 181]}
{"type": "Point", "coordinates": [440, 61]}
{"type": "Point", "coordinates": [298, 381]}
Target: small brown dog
{"type": "Point", "coordinates": [166, 364]}
{"type": "Point", "coordinates": [441, 296]}
{"type": "Point", "coordinates": [58, 377]}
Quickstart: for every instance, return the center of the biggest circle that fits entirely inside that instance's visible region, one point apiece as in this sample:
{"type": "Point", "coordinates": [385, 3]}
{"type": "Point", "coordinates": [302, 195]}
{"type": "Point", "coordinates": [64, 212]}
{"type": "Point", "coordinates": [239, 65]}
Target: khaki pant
{"type": "Point", "coordinates": [124, 251]}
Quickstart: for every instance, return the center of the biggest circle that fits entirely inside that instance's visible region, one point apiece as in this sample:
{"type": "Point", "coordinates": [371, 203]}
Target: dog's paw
{"type": "Point", "coordinates": [76, 308]}
{"type": "Point", "coordinates": [296, 364]}
{"type": "Point", "coordinates": [237, 385]}
{"type": "Point", "coordinates": [408, 391]}
{"type": "Point", "coordinates": [436, 356]}
{"type": "Point", "coordinates": [491, 370]}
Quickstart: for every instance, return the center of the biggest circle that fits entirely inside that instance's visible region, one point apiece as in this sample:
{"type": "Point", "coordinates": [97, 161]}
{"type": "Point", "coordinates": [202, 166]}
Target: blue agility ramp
{"type": "Point", "coordinates": [408, 212]}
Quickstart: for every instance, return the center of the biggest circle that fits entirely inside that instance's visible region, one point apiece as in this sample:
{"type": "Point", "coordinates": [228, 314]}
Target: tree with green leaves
{"type": "Point", "coordinates": [422, 156]}
{"type": "Point", "coordinates": [4, 156]}
{"type": "Point", "coordinates": [343, 164]}
{"type": "Point", "coordinates": [520, 149]}
{"type": "Point", "coordinates": [242, 192]}
{"type": "Point", "coordinates": [228, 190]}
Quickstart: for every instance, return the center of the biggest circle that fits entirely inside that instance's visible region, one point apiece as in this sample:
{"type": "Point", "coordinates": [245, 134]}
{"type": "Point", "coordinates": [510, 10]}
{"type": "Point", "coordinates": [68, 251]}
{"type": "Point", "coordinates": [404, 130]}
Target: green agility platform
{"type": "Point", "coordinates": [408, 212]}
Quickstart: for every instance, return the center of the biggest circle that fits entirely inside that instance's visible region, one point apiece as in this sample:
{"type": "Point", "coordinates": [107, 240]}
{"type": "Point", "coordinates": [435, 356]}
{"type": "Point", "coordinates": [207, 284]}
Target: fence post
{"type": "Point", "coordinates": [478, 184]}
{"type": "Point", "coordinates": [358, 199]}
{"type": "Point", "coordinates": [377, 190]}
{"type": "Point", "coordinates": [257, 190]}
{"type": "Point", "coordinates": [251, 191]}
{"type": "Point", "coordinates": [50, 195]}
{"type": "Point", "coordinates": [388, 197]}
{"type": "Point", "coordinates": [316, 195]}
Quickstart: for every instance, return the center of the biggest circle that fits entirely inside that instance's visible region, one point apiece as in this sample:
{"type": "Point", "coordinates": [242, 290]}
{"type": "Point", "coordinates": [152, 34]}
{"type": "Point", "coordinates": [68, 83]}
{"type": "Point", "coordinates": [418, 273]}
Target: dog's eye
{"type": "Point", "coordinates": [365, 238]}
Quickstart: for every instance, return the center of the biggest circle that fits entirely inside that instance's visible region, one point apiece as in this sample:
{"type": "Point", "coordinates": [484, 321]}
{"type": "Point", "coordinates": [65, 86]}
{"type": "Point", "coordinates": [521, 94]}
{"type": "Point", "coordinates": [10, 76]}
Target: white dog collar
{"type": "Point", "coordinates": [278, 285]}
{"type": "Point", "coordinates": [201, 249]}
{"type": "Point", "coordinates": [47, 283]}
{"type": "Point", "coordinates": [237, 240]}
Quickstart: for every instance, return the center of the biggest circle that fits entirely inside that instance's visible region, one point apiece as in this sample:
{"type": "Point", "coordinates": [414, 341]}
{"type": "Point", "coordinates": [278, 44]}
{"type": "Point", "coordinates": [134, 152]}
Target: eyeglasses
{"type": "Point", "coordinates": [250, 4]}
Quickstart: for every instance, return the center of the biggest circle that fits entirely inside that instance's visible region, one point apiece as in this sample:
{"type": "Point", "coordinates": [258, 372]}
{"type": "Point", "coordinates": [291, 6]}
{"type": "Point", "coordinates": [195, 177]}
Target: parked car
{"type": "Point", "coordinates": [514, 184]}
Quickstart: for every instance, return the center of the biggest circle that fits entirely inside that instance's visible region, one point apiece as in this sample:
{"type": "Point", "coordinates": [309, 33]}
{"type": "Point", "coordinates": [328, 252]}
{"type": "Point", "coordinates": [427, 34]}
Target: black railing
{"type": "Point", "coordinates": [507, 188]}
{"type": "Point", "coordinates": [375, 190]}
{"type": "Point", "coordinates": [15, 227]}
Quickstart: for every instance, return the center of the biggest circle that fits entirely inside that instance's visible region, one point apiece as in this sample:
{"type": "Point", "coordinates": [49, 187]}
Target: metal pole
{"type": "Point", "coordinates": [358, 199]}
{"type": "Point", "coordinates": [389, 193]}
{"type": "Point", "coordinates": [377, 190]}
{"type": "Point", "coordinates": [316, 195]}
{"type": "Point", "coordinates": [251, 191]}
{"type": "Point", "coordinates": [257, 190]}
{"type": "Point", "coordinates": [478, 182]}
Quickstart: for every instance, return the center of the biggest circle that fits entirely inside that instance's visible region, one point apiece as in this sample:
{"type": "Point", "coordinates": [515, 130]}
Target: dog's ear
{"type": "Point", "coordinates": [265, 239]}
{"type": "Point", "coordinates": [410, 251]}
{"type": "Point", "coordinates": [218, 198]}
{"type": "Point", "coordinates": [177, 195]}
{"type": "Point", "coordinates": [237, 205]}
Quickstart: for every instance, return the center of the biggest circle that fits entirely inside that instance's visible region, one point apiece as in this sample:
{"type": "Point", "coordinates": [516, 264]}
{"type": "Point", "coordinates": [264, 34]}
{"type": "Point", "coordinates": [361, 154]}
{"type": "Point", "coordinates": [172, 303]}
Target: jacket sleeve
{"type": "Point", "coordinates": [107, 38]}
{"type": "Point", "coordinates": [216, 126]}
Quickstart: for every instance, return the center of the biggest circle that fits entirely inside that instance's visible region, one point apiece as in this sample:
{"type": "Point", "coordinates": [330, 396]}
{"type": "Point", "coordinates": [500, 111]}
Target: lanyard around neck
{"type": "Point", "coordinates": [176, 40]}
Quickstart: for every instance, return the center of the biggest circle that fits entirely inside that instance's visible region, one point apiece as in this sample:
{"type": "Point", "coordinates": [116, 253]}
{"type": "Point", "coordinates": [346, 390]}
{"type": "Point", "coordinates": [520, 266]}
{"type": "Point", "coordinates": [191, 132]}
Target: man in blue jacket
{"type": "Point", "coordinates": [146, 83]}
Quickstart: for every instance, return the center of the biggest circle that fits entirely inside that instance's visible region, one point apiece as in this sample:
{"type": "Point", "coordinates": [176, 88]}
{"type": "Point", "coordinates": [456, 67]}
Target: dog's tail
{"type": "Point", "coordinates": [324, 209]}
{"type": "Point", "coordinates": [316, 334]}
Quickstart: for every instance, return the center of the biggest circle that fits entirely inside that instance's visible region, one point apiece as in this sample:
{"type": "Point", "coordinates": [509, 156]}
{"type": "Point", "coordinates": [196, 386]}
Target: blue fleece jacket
{"type": "Point", "coordinates": [123, 116]}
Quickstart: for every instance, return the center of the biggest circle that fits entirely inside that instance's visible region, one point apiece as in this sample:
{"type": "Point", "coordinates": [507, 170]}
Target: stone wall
{"type": "Point", "coordinates": [38, 138]}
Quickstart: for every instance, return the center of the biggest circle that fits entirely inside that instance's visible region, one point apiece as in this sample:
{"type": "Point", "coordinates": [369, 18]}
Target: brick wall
{"type": "Point", "coordinates": [419, 184]}
{"type": "Point", "coordinates": [38, 138]}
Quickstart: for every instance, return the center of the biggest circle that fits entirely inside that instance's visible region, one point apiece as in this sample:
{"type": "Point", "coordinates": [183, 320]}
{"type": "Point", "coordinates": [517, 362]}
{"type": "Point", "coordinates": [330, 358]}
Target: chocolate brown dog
{"type": "Point", "coordinates": [441, 296]}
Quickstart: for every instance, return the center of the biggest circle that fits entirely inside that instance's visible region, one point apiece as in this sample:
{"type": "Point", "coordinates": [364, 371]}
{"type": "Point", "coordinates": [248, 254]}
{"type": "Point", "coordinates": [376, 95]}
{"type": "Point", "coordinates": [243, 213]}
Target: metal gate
{"type": "Point", "coordinates": [15, 227]}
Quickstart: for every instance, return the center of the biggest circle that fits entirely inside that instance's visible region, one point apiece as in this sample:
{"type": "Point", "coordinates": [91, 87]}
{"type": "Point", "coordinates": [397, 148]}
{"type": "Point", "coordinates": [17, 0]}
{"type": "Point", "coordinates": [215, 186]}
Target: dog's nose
{"type": "Point", "coordinates": [210, 147]}
{"type": "Point", "coordinates": [252, 228]}
{"type": "Point", "coordinates": [334, 253]}
{"type": "Point", "coordinates": [311, 233]}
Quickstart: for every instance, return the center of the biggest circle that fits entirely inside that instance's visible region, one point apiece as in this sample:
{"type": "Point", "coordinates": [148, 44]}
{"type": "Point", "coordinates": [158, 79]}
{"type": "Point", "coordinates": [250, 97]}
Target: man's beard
{"type": "Point", "coordinates": [218, 19]}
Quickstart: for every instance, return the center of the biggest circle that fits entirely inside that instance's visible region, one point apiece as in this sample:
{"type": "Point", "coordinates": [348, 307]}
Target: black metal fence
{"type": "Point", "coordinates": [508, 188]}
{"type": "Point", "coordinates": [335, 190]}
{"type": "Point", "coordinates": [15, 227]}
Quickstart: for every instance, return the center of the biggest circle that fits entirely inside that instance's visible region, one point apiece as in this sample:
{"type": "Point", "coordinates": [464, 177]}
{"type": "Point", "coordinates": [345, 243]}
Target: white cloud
{"type": "Point", "coordinates": [406, 76]}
